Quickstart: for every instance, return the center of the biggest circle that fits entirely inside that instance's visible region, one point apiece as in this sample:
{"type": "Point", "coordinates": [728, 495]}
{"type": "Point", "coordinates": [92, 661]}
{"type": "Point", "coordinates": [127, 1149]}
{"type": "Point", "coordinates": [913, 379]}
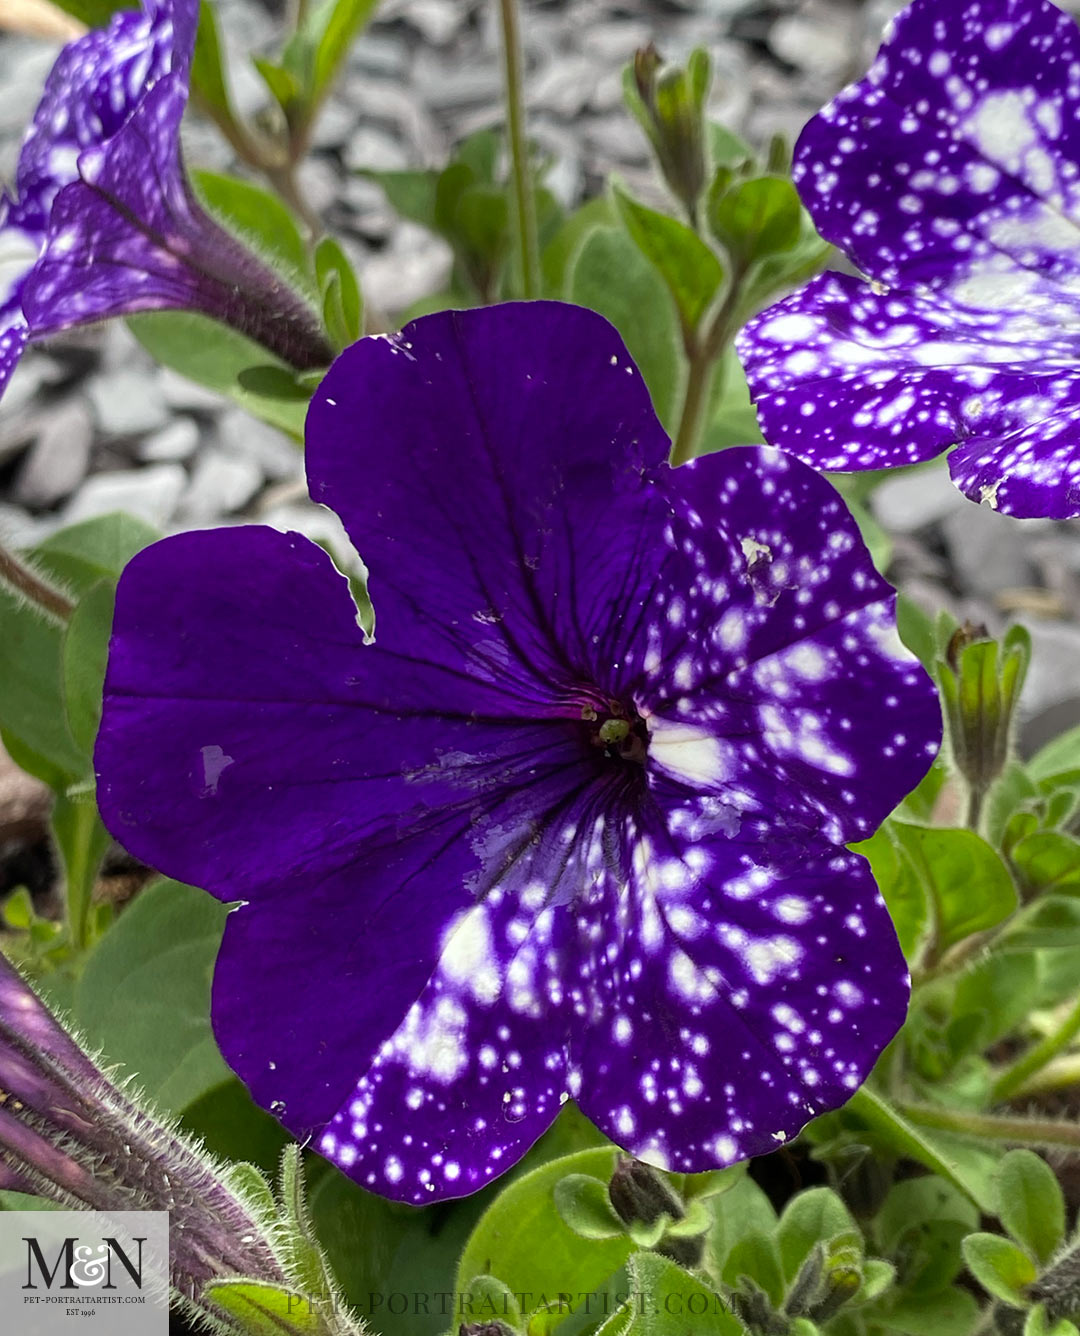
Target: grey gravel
{"type": "Point", "coordinates": [58, 460]}
{"type": "Point", "coordinates": [990, 551]}
{"type": "Point", "coordinates": [127, 402]}
{"type": "Point", "coordinates": [179, 440]}
{"type": "Point", "coordinates": [151, 494]}
{"type": "Point", "coordinates": [221, 484]}
{"type": "Point", "coordinates": [917, 499]}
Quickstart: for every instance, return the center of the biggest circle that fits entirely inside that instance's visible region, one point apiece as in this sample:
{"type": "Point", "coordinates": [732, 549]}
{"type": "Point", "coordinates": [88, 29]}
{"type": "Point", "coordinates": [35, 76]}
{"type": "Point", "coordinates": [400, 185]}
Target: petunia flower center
{"type": "Point", "coordinates": [618, 730]}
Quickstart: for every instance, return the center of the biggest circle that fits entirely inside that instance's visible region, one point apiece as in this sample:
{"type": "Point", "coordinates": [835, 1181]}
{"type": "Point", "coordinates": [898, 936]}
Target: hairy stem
{"type": "Point", "coordinates": [995, 1127]}
{"type": "Point", "coordinates": [524, 204]}
{"type": "Point", "coordinates": [29, 585]}
{"type": "Point", "coordinates": [1015, 1077]}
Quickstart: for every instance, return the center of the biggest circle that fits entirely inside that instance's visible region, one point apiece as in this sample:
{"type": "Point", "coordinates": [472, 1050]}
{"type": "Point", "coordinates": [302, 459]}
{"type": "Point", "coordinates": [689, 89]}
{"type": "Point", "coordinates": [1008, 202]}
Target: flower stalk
{"type": "Point", "coordinates": [524, 202]}
{"type": "Point", "coordinates": [27, 584]}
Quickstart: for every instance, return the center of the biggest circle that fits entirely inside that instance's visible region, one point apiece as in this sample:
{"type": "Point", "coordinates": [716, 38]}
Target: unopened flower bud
{"type": "Point", "coordinates": [980, 685]}
{"type": "Point", "coordinates": [640, 1195]}
{"type": "Point", "coordinates": [668, 102]}
{"type": "Point", "coordinates": [70, 1135]}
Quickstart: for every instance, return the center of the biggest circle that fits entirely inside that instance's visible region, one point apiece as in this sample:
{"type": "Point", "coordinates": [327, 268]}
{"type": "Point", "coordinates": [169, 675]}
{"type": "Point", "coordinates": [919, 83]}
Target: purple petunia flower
{"type": "Point", "coordinates": [951, 176]}
{"type": "Point", "coordinates": [103, 221]}
{"type": "Point", "coordinates": [575, 824]}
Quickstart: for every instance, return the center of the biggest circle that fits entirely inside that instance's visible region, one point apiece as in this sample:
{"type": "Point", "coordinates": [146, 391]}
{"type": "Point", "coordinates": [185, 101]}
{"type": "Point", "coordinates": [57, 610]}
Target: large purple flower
{"type": "Point", "coordinates": [103, 221]}
{"type": "Point", "coordinates": [951, 176]}
{"type": "Point", "coordinates": [575, 824]}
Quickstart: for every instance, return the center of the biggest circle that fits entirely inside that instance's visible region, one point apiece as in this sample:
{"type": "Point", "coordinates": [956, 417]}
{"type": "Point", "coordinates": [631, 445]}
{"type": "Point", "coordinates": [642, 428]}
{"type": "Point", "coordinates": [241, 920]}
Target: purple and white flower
{"type": "Point", "coordinates": [950, 176]}
{"type": "Point", "coordinates": [575, 824]}
{"type": "Point", "coordinates": [103, 221]}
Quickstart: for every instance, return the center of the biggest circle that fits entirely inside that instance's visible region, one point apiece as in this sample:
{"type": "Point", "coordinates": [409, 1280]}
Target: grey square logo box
{"type": "Point", "coordinates": [60, 1268]}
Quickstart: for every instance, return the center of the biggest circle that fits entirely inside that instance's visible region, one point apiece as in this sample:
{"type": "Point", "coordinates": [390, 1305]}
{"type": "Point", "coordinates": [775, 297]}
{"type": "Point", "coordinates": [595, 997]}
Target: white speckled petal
{"type": "Point", "coordinates": [950, 175]}
{"type": "Point", "coordinates": [744, 1000]}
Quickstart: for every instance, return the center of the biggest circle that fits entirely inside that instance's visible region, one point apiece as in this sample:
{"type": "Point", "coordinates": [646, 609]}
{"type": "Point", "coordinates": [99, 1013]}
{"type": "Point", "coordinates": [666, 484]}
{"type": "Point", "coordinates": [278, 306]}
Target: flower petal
{"type": "Point", "coordinates": [476, 1070]}
{"type": "Point", "coordinates": [958, 145]}
{"type": "Point", "coordinates": [736, 1012]}
{"type": "Point", "coordinates": [1033, 471]}
{"type": "Point", "coordinates": [118, 239]}
{"type": "Point", "coordinates": [96, 83]}
{"type": "Point", "coordinates": [950, 171]}
{"type": "Point", "coordinates": [773, 674]}
{"type": "Point", "coordinates": [490, 467]}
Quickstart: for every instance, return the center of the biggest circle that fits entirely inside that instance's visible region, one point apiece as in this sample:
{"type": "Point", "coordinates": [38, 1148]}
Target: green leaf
{"type": "Point", "coordinates": [560, 253]}
{"type": "Point", "coordinates": [267, 1310]}
{"type": "Point", "coordinates": [953, 1312]}
{"type": "Point", "coordinates": [1059, 754]}
{"type": "Point", "coordinates": [82, 554]}
{"type": "Point", "coordinates": [997, 991]}
{"type": "Point", "coordinates": [964, 878]}
{"type": "Point", "coordinates": [726, 147]}
{"type": "Point", "coordinates": [756, 218]}
{"type": "Point", "coordinates": [522, 1240]}
{"type": "Point", "coordinates": [584, 1206]}
{"type": "Point", "coordinates": [744, 1209]}
{"type": "Point", "coordinates": [94, 13]}
{"type": "Point", "coordinates": [755, 1255]}
{"type": "Point", "coordinates": [668, 1301]}
{"type": "Point", "coordinates": [1038, 1324]}
{"type": "Point", "coordinates": [488, 1300]}
{"type": "Point", "coordinates": [85, 653]}
{"type": "Point", "coordinates": [1047, 861]}
{"type": "Point", "coordinates": [261, 219]}
{"type": "Point", "coordinates": [611, 276]}
{"type": "Point", "coordinates": [207, 71]}
{"type": "Point", "coordinates": [732, 416]}
{"type": "Point", "coordinates": [284, 86]}
{"type": "Point", "coordinates": [144, 995]}
{"type": "Point", "coordinates": [1008, 795]}
{"type": "Point", "coordinates": [413, 194]}
{"type": "Point", "coordinates": [1032, 1206]}
{"type": "Point", "coordinates": [815, 1215]}
{"type": "Point", "coordinates": [1052, 924]}
{"type": "Point", "coordinates": [877, 1278]}
{"type": "Point", "coordinates": [921, 1225]}
{"type": "Point", "coordinates": [999, 1266]}
{"type": "Point", "coordinates": [315, 51]}
{"type": "Point", "coordinates": [333, 272]}
{"type": "Point", "coordinates": [903, 890]}
{"type": "Point", "coordinates": [233, 1126]}
{"type": "Point", "coordinates": [216, 356]}
{"type": "Point", "coordinates": [692, 273]}
{"type": "Point", "coordinates": [32, 718]}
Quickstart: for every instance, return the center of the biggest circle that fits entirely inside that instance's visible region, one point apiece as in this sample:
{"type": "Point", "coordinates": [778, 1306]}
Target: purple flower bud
{"type": "Point", "coordinates": [68, 1134]}
{"type": "Point", "coordinates": [103, 221]}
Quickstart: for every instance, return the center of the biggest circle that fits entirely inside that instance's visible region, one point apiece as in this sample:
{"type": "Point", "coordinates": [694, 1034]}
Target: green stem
{"type": "Point", "coordinates": [524, 205]}
{"type": "Point", "coordinates": [27, 584]}
{"type": "Point", "coordinates": [82, 840]}
{"type": "Point", "coordinates": [695, 400]}
{"type": "Point", "coordinates": [1045, 1132]}
{"type": "Point", "coordinates": [702, 354]}
{"type": "Point", "coordinates": [976, 798]}
{"type": "Point", "coordinates": [1013, 1078]}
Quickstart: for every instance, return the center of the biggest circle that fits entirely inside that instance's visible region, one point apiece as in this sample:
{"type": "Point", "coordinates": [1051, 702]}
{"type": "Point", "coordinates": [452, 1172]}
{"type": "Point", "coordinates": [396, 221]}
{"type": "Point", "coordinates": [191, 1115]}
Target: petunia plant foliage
{"type": "Point", "coordinates": [591, 900]}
